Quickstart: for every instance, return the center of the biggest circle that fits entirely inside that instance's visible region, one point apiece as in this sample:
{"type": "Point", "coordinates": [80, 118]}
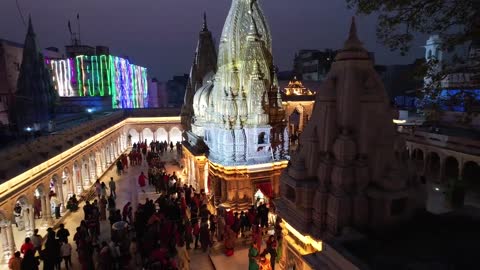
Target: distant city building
{"type": "Point", "coordinates": [101, 75]}
{"type": "Point", "coordinates": [153, 99]}
{"type": "Point", "coordinates": [314, 65]}
{"type": "Point", "coordinates": [85, 72]}
{"type": "Point", "coordinates": [162, 94]}
{"type": "Point", "coordinates": [11, 54]}
{"type": "Point", "coordinates": [176, 90]}
{"type": "Point", "coordinates": [460, 87]}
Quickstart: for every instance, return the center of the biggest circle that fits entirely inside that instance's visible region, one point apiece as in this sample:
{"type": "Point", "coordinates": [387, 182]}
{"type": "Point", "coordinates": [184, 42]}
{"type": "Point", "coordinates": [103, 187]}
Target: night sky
{"type": "Point", "coordinates": [162, 34]}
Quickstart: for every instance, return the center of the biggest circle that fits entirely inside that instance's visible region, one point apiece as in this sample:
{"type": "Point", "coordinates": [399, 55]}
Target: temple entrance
{"type": "Point", "coordinates": [260, 198]}
{"type": "Point", "coordinates": [23, 216]}
{"type": "Point", "coordinates": [294, 127]}
{"type": "Point", "coordinates": [263, 193]}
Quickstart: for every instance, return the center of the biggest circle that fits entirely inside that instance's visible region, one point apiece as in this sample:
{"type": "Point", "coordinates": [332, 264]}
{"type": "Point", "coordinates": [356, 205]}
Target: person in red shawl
{"type": "Point", "coordinates": [229, 242]}
{"type": "Point", "coordinates": [142, 180]}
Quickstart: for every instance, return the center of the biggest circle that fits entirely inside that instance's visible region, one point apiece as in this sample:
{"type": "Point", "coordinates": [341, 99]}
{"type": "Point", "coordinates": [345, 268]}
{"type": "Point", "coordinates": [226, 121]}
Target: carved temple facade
{"type": "Point", "coordinates": [349, 171]}
{"type": "Point", "coordinates": [237, 131]}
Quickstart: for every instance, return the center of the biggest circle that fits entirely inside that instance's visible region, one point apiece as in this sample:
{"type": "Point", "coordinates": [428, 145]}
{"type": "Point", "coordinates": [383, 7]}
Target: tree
{"type": "Point", "coordinates": [400, 20]}
{"type": "Point", "coordinates": [458, 21]}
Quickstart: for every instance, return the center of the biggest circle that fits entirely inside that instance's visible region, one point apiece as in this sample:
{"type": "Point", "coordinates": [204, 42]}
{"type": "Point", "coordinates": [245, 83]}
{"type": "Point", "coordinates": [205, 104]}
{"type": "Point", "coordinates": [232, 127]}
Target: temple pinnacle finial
{"type": "Point", "coordinates": [205, 26]}
{"type": "Point", "coordinates": [30, 26]}
{"type": "Point", "coordinates": [353, 42]}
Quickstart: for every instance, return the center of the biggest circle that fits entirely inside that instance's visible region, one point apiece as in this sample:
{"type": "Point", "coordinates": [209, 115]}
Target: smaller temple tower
{"type": "Point", "coordinates": [35, 97]}
{"type": "Point", "coordinates": [348, 170]}
{"type": "Point", "coordinates": [204, 63]}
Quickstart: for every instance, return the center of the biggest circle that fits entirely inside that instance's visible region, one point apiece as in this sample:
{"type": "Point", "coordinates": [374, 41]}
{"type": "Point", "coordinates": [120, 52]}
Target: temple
{"type": "Point", "coordinates": [204, 65]}
{"type": "Point", "coordinates": [238, 116]}
{"type": "Point", "coordinates": [349, 170]}
{"type": "Point", "coordinates": [35, 96]}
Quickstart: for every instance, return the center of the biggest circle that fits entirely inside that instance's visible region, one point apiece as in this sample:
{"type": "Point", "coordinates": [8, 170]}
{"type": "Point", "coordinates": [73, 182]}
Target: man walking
{"type": "Point", "coordinates": [112, 186]}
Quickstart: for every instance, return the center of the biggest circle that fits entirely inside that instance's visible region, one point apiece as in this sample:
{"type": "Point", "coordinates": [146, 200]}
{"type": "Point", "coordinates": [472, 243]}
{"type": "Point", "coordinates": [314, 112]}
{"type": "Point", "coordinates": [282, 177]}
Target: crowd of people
{"type": "Point", "coordinates": [53, 252]}
{"type": "Point", "coordinates": [157, 233]}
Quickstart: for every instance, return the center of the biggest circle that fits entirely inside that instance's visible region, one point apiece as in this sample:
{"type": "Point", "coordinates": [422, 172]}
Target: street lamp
{"type": "Point", "coordinates": [90, 111]}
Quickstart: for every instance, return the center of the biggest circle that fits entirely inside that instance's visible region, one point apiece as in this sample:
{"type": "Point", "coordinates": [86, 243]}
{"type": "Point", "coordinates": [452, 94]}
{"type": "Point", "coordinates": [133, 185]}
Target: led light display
{"type": "Point", "coordinates": [101, 75]}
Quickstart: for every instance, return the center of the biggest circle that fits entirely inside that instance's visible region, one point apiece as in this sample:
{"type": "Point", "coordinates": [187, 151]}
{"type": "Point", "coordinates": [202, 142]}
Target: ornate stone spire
{"type": "Point", "coordinates": [353, 47]}
{"type": "Point", "coordinates": [353, 43]}
{"type": "Point", "coordinates": [205, 26]}
{"type": "Point", "coordinates": [204, 63]}
{"type": "Point", "coordinates": [35, 96]}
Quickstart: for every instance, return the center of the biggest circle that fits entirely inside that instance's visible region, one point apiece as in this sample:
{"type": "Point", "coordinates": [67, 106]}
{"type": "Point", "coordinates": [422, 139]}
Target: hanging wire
{"type": "Point", "coordinates": [20, 13]}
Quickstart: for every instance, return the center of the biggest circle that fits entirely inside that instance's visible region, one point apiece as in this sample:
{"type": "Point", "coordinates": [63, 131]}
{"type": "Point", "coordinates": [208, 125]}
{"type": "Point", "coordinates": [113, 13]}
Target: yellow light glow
{"type": "Point", "coordinates": [43, 169]}
{"type": "Point", "coordinates": [250, 168]}
{"type": "Point", "coordinates": [396, 121]}
{"type": "Point", "coordinates": [306, 239]}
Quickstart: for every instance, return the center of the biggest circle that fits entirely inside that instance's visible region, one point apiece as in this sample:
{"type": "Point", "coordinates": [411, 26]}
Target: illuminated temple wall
{"type": "Point", "coordinates": [101, 75]}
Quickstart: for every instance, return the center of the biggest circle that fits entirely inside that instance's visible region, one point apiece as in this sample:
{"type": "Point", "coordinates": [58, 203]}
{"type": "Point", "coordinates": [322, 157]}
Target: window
{"type": "Point", "coordinates": [261, 138]}
{"type": "Point", "coordinates": [398, 206]}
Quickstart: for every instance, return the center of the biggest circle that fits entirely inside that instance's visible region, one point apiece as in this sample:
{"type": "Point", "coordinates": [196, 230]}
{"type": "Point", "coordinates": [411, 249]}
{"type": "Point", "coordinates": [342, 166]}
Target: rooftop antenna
{"type": "Point", "coordinates": [79, 36]}
{"type": "Point", "coordinates": [20, 12]}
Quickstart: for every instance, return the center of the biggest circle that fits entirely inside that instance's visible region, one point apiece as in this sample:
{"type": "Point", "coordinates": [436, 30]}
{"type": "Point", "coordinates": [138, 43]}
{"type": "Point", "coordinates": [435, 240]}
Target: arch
{"type": "Point", "coordinates": [147, 134]}
{"type": "Point", "coordinates": [295, 121]}
{"type": "Point", "coordinates": [175, 135]}
{"type": "Point", "coordinates": [429, 54]}
{"type": "Point", "coordinates": [40, 190]}
{"type": "Point", "coordinates": [162, 134]}
{"type": "Point", "coordinates": [471, 175]}
{"type": "Point", "coordinates": [23, 200]}
{"type": "Point", "coordinates": [135, 136]}
{"type": "Point", "coordinates": [67, 183]}
{"type": "Point", "coordinates": [417, 154]}
{"type": "Point", "coordinates": [22, 215]}
{"type": "Point", "coordinates": [451, 168]}
{"type": "Point", "coordinates": [262, 138]}
{"type": "Point", "coordinates": [54, 183]}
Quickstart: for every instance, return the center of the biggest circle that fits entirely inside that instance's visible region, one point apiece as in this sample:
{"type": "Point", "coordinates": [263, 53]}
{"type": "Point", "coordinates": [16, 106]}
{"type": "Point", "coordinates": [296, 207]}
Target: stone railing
{"type": "Point", "coordinates": [456, 143]}
{"type": "Point", "coordinates": [21, 157]}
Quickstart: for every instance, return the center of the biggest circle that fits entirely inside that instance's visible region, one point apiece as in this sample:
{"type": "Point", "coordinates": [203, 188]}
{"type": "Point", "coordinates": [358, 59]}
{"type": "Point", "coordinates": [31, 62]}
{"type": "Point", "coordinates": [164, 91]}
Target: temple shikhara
{"type": "Point", "coordinates": [348, 171]}
{"type": "Point", "coordinates": [237, 127]}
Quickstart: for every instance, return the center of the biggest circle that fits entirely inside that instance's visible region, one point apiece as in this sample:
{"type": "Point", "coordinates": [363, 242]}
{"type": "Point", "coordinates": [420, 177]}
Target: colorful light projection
{"type": "Point", "coordinates": [62, 76]}
{"type": "Point", "coordinates": [102, 75]}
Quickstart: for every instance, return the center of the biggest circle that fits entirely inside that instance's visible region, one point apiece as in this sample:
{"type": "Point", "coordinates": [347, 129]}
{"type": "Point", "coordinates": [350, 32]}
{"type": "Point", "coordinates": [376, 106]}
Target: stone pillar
{"type": "Point", "coordinates": [29, 220]}
{"type": "Point", "coordinates": [112, 152]}
{"type": "Point", "coordinates": [441, 176]}
{"type": "Point", "coordinates": [73, 183]}
{"type": "Point", "coordinates": [49, 219]}
{"type": "Point", "coordinates": [80, 180]}
{"type": "Point", "coordinates": [10, 240]}
{"type": "Point", "coordinates": [6, 251]}
{"type": "Point", "coordinates": [104, 162]}
{"type": "Point", "coordinates": [92, 167]}
{"type": "Point", "coordinates": [460, 169]}
{"type": "Point", "coordinates": [44, 207]}
{"type": "Point", "coordinates": [98, 162]}
{"type": "Point", "coordinates": [60, 196]}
